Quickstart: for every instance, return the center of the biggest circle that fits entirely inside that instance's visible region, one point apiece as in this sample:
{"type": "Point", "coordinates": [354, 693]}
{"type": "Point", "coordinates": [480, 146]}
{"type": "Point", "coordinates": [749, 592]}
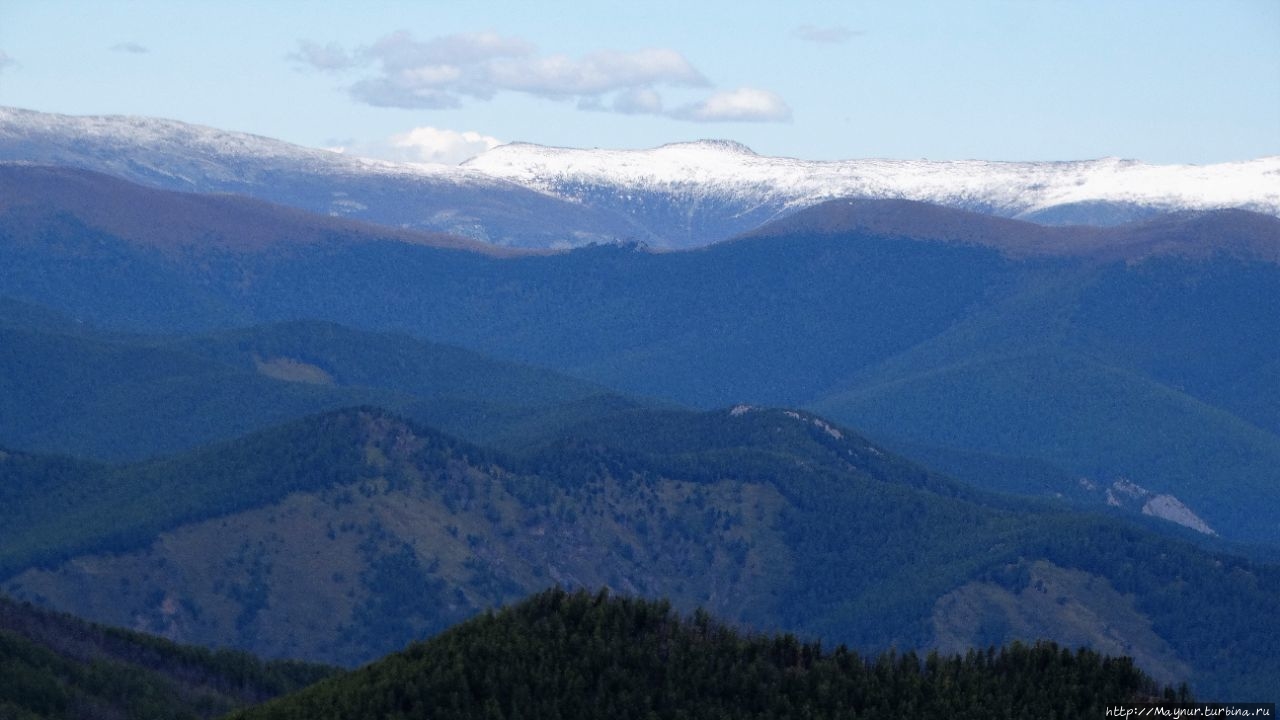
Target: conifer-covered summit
{"type": "Point", "coordinates": [582, 655]}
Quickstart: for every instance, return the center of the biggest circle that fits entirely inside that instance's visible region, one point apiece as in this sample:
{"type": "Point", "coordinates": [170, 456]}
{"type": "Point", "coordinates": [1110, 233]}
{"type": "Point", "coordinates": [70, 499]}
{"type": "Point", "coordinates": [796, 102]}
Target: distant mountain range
{"type": "Point", "coordinates": [170, 155]}
{"type": "Point", "coordinates": [690, 193]}
{"type": "Point", "coordinates": [675, 196]}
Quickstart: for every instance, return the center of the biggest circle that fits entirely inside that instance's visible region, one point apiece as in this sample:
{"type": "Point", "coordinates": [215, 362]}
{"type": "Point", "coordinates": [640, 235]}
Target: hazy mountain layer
{"type": "Point", "coordinates": [66, 387]}
{"type": "Point", "coordinates": [1143, 352]}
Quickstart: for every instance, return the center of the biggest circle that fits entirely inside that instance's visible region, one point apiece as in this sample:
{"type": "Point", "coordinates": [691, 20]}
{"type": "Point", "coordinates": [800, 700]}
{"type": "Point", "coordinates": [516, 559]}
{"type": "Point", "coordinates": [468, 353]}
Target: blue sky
{"type": "Point", "coordinates": [1194, 81]}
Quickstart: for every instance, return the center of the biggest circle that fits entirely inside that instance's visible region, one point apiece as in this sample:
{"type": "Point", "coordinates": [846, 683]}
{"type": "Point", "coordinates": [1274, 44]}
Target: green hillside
{"type": "Point", "coordinates": [66, 387]}
{"type": "Point", "coordinates": [1137, 372]}
{"type": "Point", "coordinates": [125, 400]}
{"type": "Point", "coordinates": [1078, 414]}
{"type": "Point", "coordinates": [329, 354]}
{"type": "Point", "coordinates": [562, 655]}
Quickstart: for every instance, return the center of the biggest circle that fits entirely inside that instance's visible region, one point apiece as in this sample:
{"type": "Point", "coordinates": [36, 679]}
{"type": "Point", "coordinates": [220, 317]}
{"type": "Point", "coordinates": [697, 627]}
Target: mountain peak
{"type": "Point", "coordinates": [731, 147]}
{"type": "Point", "coordinates": [687, 178]}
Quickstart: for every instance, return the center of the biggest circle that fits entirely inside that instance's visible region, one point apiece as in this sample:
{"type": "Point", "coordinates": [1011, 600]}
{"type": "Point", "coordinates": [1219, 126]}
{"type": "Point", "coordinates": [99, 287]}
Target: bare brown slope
{"type": "Point", "coordinates": [172, 221]}
{"type": "Point", "coordinates": [1238, 233]}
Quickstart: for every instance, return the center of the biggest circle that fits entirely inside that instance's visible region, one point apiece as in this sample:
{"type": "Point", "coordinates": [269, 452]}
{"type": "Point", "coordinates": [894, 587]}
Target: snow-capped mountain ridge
{"type": "Point", "coordinates": [678, 195]}
{"type": "Point", "coordinates": [173, 155]}
{"type": "Point", "coordinates": [207, 147]}
{"type": "Point", "coordinates": [1012, 189]}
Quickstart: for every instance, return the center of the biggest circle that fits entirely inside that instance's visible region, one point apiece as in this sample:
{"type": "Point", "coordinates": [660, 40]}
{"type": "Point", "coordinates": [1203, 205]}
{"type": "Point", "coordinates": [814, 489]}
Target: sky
{"type": "Point", "coordinates": [1165, 81]}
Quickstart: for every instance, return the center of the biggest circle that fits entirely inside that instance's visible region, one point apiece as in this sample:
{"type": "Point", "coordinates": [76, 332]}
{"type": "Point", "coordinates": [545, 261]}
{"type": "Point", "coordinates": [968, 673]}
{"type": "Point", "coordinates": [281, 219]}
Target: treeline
{"type": "Point", "coordinates": [562, 656]}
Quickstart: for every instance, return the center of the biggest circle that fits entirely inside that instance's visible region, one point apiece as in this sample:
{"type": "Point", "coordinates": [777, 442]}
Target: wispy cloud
{"type": "Point", "coordinates": [329, 58]}
{"type": "Point", "coordinates": [741, 105]}
{"type": "Point", "coordinates": [834, 34]}
{"type": "Point", "coordinates": [638, 101]}
{"type": "Point", "coordinates": [6, 61]}
{"type": "Point", "coordinates": [595, 74]}
{"type": "Point", "coordinates": [401, 71]}
{"type": "Point", "coordinates": [130, 47]}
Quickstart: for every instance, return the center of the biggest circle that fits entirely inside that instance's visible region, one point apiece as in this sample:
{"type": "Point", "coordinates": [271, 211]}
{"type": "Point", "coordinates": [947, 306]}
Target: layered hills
{"type": "Point", "coordinates": [242, 424]}
{"type": "Point", "coordinates": [70, 388]}
{"type": "Point", "coordinates": [1144, 352]}
{"type": "Point", "coordinates": [340, 537]}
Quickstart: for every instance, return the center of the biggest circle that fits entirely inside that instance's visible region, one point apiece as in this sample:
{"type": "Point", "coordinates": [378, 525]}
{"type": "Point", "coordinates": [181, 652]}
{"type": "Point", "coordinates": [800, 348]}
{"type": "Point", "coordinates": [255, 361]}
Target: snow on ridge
{"type": "Point", "coordinates": [686, 171]}
{"type": "Point", "coordinates": [205, 146]}
{"type": "Point", "coordinates": [1007, 188]}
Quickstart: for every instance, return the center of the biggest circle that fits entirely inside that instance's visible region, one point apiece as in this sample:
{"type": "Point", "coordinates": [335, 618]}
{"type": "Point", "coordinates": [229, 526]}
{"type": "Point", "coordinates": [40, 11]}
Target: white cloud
{"type": "Point", "coordinates": [421, 144]}
{"type": "Point", "coordinates": [435, 145]}
{"type": "Point", "coordinates": [442, 72]}
{"type": "Point", "coordinates": [399, 50]}
{"type": "Point", "coordinates": [130, 47]}
{"type": "Point", "coordinates": [834, 34]}
{"type": "Point", "coordinates": [743, 104]}
{"type": "Point", "coordinates": [6, 60]}
{"type": "Point", "coordinates": [330, 57]}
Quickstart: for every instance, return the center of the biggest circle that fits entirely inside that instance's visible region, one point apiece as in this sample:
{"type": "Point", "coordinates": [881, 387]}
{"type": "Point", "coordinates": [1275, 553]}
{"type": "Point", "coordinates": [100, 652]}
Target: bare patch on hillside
{"type": "Point", "coordinates": [292, 370]}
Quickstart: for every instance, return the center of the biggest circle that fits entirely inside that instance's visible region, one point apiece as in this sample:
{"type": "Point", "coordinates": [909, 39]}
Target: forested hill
{"type": "Point", "coordinates": [774, 519]}
{"type": "Point", "coordinates": [67, 387]}
{"type": "Point", "coordinates": [566, 656]}
{"type": "Point", "coordinates": [54, 665]}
